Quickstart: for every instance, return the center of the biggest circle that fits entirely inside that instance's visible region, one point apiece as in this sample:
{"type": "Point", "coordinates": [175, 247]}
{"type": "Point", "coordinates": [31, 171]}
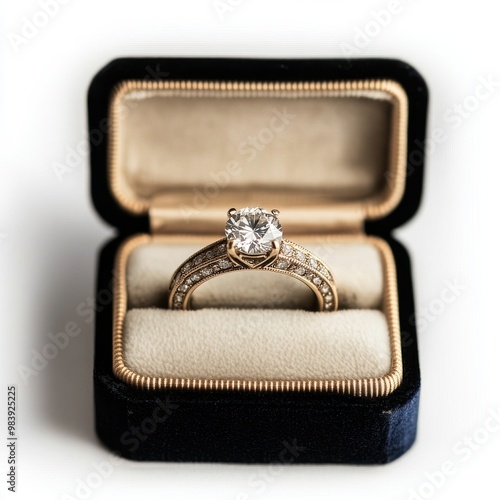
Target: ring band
{"type": "Point", "coordinates": [253, 242]}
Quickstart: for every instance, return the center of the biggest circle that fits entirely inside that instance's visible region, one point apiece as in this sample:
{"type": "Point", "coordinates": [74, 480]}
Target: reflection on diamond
{"type": "Point", "coordinates": [253, 230]}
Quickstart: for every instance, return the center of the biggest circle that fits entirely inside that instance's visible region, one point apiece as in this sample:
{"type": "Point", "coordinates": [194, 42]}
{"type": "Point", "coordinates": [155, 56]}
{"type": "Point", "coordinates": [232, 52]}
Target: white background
{"type": "Point", "coordinates": [50, 235]}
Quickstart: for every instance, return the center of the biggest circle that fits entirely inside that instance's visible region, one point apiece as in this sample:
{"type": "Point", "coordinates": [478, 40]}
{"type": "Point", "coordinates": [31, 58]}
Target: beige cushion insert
{"type": "Point", "coordinates": [253, 344]}
{"type": "Point", "coordinates": [255, 325]}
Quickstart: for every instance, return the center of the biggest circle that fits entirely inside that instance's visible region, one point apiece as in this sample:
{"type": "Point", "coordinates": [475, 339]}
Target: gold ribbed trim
{"type": "Point", "coordinates": [377, 89]}
{"type": "Point", "coordinates": [372, 387]}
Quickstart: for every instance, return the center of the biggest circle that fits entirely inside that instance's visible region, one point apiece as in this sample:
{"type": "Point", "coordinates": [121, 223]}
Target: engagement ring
{"type": "Point", "coordinates": [254, 242]}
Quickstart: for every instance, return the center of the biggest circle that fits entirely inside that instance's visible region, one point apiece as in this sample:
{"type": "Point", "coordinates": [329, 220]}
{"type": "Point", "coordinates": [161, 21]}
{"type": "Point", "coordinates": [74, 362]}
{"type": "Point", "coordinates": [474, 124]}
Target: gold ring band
{"type": "Point", "coordinates": [223, 256]}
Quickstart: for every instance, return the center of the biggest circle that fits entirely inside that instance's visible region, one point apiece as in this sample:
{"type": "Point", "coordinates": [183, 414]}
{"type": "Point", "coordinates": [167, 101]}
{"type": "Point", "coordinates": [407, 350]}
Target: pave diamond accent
{"type": "Point", "coordinates": [224, 264]}
{"type": "Point", "coordinates": [324, 272]}
{"type": "Point", "coordinates": [299, 255]}
{"type": "Point", "coordinates": [292, 259]}
{"type": "Point", "coordinates": [282, 264]}
{"type": "Point", "coordinates": [253, 230]}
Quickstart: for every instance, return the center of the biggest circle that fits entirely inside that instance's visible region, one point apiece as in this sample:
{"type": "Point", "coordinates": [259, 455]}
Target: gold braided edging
{"type": "Point", "coordinates": [371, 387]}
{"type": "Point", "coordinates": [376, 89]}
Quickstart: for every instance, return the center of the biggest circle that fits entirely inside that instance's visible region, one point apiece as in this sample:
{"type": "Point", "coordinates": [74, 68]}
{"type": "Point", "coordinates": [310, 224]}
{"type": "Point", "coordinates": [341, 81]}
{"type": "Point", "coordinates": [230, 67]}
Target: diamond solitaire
{"type": "Point", "coordinates": [254, 241]}
{"type": "Point", "coordinates": [253, 230]}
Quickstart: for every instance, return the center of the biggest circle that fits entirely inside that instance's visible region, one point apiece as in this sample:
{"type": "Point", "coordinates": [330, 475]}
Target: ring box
{"type": "Point", "coordinates": [253, 373]}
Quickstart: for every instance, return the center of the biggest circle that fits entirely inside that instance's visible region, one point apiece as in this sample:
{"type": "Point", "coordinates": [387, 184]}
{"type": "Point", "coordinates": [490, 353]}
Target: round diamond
{"type": "Point", "coordinates": [253, 230]}
{"type": "Point", "coordinates": [299, 255]}
{"type": "Point", "coordinates": [198, 260]}
{"type": "Point", "coordinates": [224, 264]}
{"type": "Point", "coordinates": [317, 281]}
{"type": "Point", "coordinates": [183, 288]}
{"type": "Point", "coordinates": [206, 272]}
{"type": "Point", "coordinates": [282, 264]}
{"type": "Point", "coordinates": [300, 271]}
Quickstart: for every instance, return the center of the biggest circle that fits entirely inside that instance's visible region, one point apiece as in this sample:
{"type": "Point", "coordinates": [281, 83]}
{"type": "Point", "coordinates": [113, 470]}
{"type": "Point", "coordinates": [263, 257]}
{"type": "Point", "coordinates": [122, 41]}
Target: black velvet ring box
{"type": "Point", "coordinates": [253, 374]}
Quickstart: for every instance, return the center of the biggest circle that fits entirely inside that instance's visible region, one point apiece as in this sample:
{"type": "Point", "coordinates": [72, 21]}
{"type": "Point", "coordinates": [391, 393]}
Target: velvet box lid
{"type": "Point", "coordinates": [215, 425]}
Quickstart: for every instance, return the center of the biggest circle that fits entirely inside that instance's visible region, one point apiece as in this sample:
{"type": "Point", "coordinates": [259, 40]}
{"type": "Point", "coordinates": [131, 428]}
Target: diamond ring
{"type": "Point", "coordinates": [254, 241]}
